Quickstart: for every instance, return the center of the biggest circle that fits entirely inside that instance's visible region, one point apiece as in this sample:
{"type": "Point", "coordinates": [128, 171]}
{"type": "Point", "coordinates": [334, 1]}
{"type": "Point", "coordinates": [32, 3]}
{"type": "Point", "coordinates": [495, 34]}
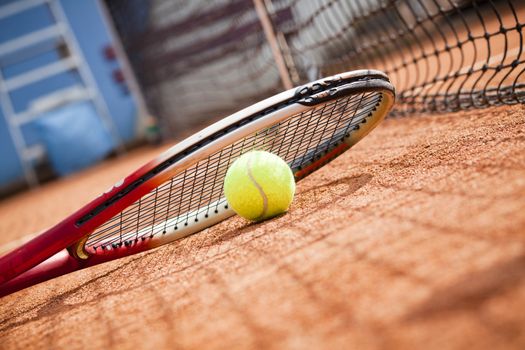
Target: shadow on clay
{"type": "Point", "coordinates": [470, 292]}
{"type": "Point", "coordinates": [353, 184]}
{"type": "Point", "coordinates": [58, 304]}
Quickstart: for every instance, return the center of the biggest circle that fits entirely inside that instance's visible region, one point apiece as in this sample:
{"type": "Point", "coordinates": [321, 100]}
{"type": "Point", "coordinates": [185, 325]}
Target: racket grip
{"type": "Point", "coordinates": [59, 264]}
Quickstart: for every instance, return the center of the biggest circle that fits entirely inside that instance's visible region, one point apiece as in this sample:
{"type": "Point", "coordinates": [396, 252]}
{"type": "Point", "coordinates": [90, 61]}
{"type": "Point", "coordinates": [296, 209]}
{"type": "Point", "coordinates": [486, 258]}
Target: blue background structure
{"type": "Point", "coordinates": [92, 35]}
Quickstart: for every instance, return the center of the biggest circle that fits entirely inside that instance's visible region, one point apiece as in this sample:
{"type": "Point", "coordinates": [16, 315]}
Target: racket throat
{"type": "Point", "coordinates": [77, 250]}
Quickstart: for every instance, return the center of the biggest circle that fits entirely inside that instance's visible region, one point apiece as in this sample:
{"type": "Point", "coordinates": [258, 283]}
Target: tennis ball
{"type": "Point", "coordinates": [259, 185]}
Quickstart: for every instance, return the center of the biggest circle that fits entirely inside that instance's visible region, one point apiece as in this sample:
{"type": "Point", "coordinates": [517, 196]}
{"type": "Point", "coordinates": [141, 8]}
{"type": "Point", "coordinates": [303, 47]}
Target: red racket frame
{"type": "Point", "coordinates": [41, 258]}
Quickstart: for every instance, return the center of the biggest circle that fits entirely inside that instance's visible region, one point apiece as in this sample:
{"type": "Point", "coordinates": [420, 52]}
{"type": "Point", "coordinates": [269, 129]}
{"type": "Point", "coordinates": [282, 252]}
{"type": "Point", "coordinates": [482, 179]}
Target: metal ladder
{"type": "Point", "coordinates": [26, 46]}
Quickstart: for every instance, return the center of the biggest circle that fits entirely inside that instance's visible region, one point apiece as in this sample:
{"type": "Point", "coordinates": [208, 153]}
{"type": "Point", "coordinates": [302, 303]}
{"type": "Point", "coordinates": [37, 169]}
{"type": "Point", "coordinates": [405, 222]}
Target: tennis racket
{"type": "Point", "coordinates": [181, 192]}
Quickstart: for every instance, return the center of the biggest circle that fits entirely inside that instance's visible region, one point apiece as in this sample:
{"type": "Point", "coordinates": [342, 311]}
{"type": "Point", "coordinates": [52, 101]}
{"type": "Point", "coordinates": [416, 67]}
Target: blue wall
{"type": "Point", "coordinates": [92, 36]}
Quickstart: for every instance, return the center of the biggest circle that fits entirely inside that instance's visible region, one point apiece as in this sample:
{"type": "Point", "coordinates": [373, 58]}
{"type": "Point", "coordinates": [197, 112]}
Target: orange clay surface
{"type": "Point", "coordinates": [414, 239]}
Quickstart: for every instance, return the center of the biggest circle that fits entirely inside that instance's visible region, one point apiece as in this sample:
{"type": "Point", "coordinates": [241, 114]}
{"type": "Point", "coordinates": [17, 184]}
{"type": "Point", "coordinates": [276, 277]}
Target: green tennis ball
{"type": "Point", "coordinates": [259, 185]}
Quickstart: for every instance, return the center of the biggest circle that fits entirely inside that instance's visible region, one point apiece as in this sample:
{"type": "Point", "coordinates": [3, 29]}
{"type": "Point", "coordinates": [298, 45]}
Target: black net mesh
{"type": "Point", "coordinates": [200, 60]}
{"type": "Point", "coordinates": [441, 55]}
{"type": "Point", "coordinates": [299, 140]}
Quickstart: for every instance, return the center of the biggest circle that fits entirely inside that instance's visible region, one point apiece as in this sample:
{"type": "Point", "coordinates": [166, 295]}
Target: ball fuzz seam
{"type": "Point", "coordinates": [259, 188]}
{"type": "Point", "coordinates": [259, 185]}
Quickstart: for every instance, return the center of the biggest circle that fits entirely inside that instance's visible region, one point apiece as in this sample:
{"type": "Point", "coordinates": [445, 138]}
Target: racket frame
{"type": "Point", "coordinates": [45, 257]}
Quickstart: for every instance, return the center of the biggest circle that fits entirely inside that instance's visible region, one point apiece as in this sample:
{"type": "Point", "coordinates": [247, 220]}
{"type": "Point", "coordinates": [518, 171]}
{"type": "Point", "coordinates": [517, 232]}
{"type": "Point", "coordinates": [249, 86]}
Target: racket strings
{"type": "Point", "coordinates": [147, 205]}
{"type": "Point", "coordinates": [146, 217]}
{"type": "Point", "coordinates": [197, 192]}
{"type": "Point", "coordinates": [278, 145]}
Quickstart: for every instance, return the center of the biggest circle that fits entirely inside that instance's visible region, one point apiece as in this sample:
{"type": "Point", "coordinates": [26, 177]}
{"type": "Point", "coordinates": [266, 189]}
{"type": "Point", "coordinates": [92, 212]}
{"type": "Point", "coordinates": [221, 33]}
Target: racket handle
{"type": "Point", "coordinates": [58, 265]}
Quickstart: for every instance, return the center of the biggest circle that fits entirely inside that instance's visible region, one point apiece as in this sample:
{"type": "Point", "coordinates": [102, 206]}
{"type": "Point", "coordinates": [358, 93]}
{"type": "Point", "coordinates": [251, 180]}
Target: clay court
{"type": "Point", "coordinates": [413, 239]}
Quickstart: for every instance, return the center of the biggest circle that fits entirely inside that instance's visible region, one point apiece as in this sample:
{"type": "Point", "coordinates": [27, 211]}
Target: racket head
{"type": "Point", "coordinates": [308, 127]}
{"type": "Point", "coordinates": [180, 192]}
